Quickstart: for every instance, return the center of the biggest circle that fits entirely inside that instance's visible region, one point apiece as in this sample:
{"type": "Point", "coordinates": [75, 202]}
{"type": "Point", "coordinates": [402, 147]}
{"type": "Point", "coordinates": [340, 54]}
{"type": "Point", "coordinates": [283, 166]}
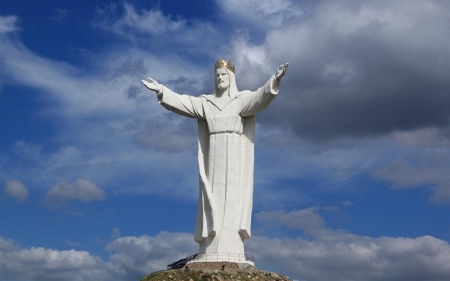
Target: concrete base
{"type": "Point", "coordinates": [222, 257]}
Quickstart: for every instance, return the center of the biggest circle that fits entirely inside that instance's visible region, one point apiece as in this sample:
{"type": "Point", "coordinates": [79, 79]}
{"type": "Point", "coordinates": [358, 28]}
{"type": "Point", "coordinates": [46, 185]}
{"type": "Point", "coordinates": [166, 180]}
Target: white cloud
{"type": "Point", "coordinates": [424, 138]}
{"type": "Point", "coordinates": [91, 107]}
{"type": "Point", "coordinates": [403, 174]}
{"type": "Point", "coordinates": [367, 79]}
{"type": "Point", "coordinates": [424, 162]}
{"type": "Point", "coordinates": [71, 243]}
{"type": "Point", "coordinates": [262, 13]}
{"type": "Point", "coordinates": [115, 233]}
{"type": "Point", "coordinates": [82, 190]}
{"type": "Point", "coordinates": [305, 219]}
{"type": "Point", "coordinates": [329, 49]}
{"type": "Point", "coordinates": [59, 15]}
{"type": "Point", "coordinates": [16, 190]}
{"type": "Point", "coordinates": [341, 45]}
{"type": "Point", "coordinates": [78, 94]}
{"type": "Point", "coordinates": [142, 255]}
{"type": "Point", "coordinates": [354, 64]}
{"type": "Point", "coordinates": [47, 264]}
{"type": "Point", "coordinates": [131, 258]}
{"type": "Point", "coordinates": [330, 255]}
{"type": "Point", "coordinates": [343, 256]}
{"type": "Point", "coordinates": [159, 31]}
{"type": "Point", "coordinates": [8, 24]}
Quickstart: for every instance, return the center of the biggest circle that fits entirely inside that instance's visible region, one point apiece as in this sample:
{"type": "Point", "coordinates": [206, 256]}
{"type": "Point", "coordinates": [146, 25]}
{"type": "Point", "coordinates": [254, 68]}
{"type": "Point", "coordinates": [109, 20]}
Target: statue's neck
{"type": "Point", "coordinates": [221, 93]}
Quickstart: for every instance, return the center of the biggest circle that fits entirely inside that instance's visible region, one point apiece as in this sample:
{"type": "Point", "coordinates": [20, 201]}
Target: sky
{"type": "Point", "coordinates": [352, 169]}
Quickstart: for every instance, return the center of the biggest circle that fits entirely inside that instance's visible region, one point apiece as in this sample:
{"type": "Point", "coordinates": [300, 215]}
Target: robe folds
{"type": "Point", "coordinates": [226, 128]}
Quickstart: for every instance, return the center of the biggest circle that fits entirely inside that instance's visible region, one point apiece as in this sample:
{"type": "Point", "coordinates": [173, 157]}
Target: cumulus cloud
{"type": "Point", "coordinates": [343, 256]}
{"type": "Point", "coordinates": [112, 168]}
{"type": "Point", "coordinates": [47, 264]}
{"type": "Point", "coordinates": [363, 77]}
{"type": "Point", "coordinates": [92, 106]}
{"type": "Point", "coordinates": [331, 255]}
{"type": "Point", "coordinates": [131, 258]}
{"type": "Point", "coordinates": [165, 136]}
{"type": "Point", "coordinates": [82, 190]}
{"type": "Point", "coordinates": [16, 189]}
{"type": "Point", "coordinates": [265, 13]}
{"type": "Point", "coordinates": [138, 256]}
{"type": "Point", "coordinates": [357, 69]}
{"type": "Point", "coordinates": [305, 219]}
{"type": "Point", "coordinates": [157, 30]}
{"type": "Point", "coordinates": [406, 175]}
{"type": "Point", "coordinates": [424, 162]}
{"type": "Point", "coordinates": [8, 24]}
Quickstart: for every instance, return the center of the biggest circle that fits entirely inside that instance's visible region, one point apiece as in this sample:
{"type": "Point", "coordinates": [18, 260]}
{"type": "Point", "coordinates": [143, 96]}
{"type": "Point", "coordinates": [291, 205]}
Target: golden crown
{"type": "Point", "coordinates": [225, 64]}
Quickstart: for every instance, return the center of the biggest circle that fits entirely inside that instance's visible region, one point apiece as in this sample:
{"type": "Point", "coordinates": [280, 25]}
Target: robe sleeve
{"type": "Point", "coordinates": [185, 105]}
{"type": "Point", "coordinates": [254, 102]}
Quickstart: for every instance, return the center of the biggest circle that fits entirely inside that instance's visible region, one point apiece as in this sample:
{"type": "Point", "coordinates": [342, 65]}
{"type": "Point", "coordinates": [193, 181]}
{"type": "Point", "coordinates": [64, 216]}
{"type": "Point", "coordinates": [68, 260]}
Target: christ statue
{"type": "Point", "coordinates": [226, 130]}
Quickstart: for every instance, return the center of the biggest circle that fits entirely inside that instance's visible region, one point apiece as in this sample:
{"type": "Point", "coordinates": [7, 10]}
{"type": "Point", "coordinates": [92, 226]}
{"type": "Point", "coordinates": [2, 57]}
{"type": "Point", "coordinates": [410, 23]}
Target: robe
{"type": "Point", "coordinates": [226, 128]}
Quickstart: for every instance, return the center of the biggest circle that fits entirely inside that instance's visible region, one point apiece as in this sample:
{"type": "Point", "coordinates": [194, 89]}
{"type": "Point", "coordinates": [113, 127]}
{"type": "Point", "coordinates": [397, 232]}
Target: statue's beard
{"type": "Point", "coordinates": [222, 86]}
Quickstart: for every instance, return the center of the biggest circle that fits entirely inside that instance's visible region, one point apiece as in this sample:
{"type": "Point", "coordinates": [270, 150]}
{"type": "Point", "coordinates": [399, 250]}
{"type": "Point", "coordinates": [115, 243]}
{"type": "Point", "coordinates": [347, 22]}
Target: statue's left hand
{"type": "Point", "coordinates": [151, 84]}
{"type": "Point", "coordinates": [281, 71]}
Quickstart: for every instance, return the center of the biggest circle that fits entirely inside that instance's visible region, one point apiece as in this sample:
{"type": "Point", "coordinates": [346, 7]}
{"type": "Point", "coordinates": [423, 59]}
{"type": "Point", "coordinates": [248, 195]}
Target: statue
{"type": "Point", "coordinates": [226, 127]}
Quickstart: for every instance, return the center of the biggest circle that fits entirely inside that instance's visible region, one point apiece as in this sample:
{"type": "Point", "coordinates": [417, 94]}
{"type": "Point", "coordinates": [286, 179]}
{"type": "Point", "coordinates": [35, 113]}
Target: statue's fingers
{"type": "Point", "coordinates": [147, 84]}
{"type": "Point", "coordinates": [286, 66]}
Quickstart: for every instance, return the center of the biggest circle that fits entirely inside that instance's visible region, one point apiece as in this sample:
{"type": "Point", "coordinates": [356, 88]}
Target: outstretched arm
{"type": "Point", "coordinates": [181, 104]}
{"type": "Point", "coordinates": [253, 102]}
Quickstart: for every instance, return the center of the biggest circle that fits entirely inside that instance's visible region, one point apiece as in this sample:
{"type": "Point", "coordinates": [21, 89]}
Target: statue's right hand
{"type": "Point", "coordinates": [151, 84]}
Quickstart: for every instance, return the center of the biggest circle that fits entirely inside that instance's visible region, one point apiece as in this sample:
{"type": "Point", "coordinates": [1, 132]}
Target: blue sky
{"type": "Point", "coordinates": [99, 182]}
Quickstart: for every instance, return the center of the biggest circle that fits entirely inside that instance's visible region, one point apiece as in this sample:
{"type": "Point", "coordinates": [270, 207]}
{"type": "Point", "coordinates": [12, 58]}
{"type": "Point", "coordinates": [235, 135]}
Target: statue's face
{"type": "Point", "coordinates": [222, 78]}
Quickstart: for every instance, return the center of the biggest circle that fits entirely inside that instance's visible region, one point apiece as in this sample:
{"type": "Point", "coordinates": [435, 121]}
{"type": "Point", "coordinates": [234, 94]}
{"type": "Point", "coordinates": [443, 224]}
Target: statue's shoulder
{"type": "Point", "coordinates": [206, 97]}
{"type": "Point", "coordinates": [243, 93]}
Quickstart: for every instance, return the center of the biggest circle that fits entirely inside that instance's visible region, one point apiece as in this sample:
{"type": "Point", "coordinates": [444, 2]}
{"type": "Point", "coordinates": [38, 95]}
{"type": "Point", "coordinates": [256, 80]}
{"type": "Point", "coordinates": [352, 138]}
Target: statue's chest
{"type": "Point", "coordinates": [226, 119]}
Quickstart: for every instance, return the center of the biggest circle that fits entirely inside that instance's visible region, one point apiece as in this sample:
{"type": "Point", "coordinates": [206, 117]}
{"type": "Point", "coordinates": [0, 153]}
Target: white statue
{"type": "Point", "coordinates": [226, 126]}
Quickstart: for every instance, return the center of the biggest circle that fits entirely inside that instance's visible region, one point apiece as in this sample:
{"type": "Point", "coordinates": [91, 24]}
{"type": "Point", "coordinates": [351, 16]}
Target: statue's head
{"type": "Point", "coordinates": [222, 79]}
{"type": "Point", "coordinates": [225, 81]}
